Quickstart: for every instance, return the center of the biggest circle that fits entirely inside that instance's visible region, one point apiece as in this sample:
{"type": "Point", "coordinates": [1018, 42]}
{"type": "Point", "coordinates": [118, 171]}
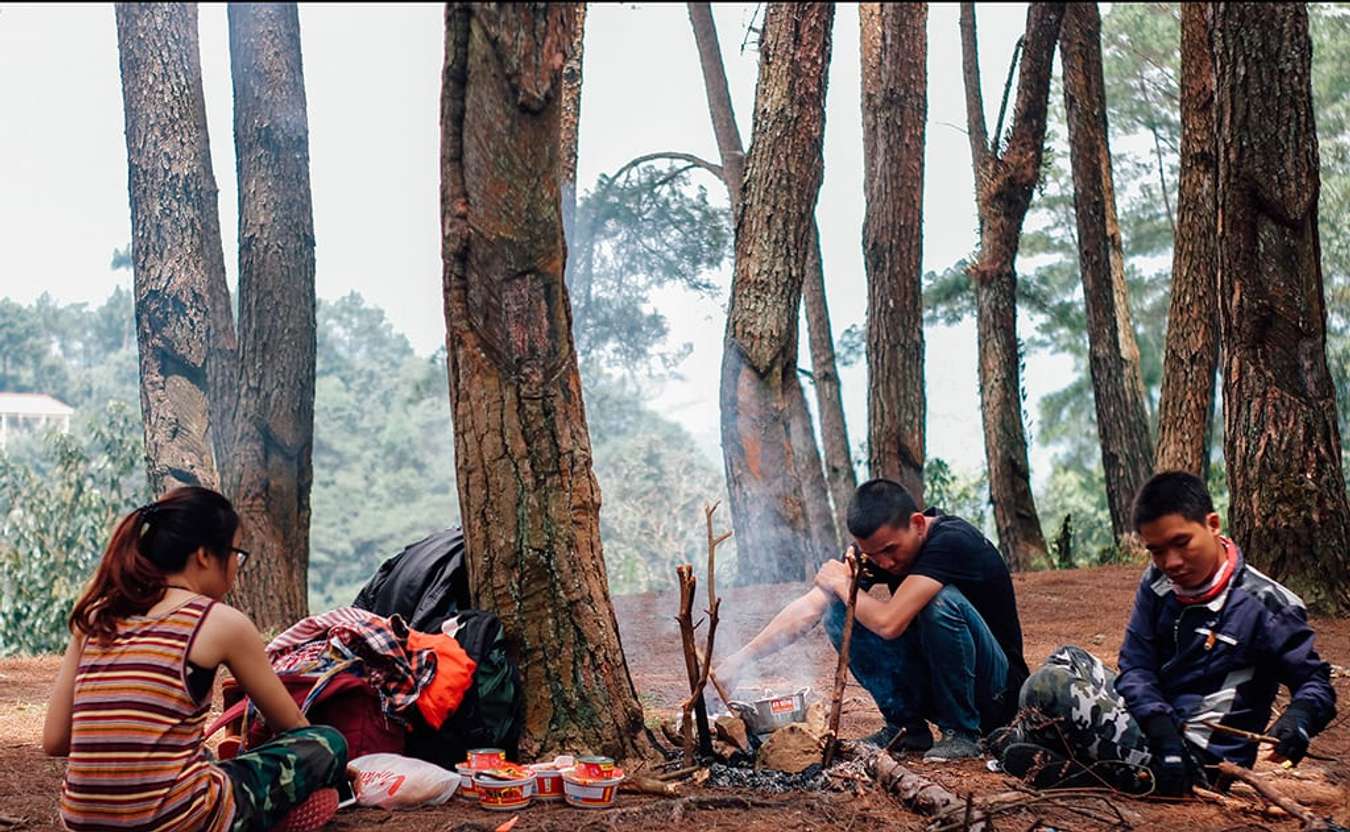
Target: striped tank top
{"type": "Point", "coordinates": [137, 756]}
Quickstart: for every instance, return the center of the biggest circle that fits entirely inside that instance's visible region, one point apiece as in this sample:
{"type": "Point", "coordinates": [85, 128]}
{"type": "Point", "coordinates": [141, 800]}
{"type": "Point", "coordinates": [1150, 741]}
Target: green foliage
{"type": "Point", "coordinates": [645, 229]}
{"type": "Point", "coordinates": [55, 517]}
{"type": "Point", "coordinates": [958, 493]}
{"type": "Point", "coordinates": [654, 482]}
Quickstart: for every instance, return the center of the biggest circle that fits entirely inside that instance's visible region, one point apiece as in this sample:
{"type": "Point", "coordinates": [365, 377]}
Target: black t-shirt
{"type": "Point", "coordinates": [955, 553]}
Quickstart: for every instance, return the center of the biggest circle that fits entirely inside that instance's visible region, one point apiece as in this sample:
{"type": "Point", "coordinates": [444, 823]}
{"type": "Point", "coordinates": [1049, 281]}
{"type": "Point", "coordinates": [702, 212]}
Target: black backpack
{"type": "Point", "coordinates": [493, 711]}
{"type": "Point", "coordinates": [426, 583]}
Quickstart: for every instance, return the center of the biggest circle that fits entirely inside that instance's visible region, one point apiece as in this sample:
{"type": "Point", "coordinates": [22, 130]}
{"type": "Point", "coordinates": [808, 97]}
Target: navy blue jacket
{"type": "Point", "coordinates": [1170, 664]}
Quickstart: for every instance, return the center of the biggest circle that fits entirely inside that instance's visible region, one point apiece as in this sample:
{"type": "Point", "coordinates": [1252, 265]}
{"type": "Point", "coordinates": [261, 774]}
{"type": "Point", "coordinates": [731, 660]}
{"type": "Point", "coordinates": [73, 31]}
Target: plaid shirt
{"type": "Point", "coordinates": [378, 645]}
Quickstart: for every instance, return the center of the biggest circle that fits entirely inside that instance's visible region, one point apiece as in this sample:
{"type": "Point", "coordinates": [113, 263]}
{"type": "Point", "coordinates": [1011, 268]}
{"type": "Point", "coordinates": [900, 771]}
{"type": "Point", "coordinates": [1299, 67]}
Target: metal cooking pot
{"type": "Point", "coordinates": [764, 716]}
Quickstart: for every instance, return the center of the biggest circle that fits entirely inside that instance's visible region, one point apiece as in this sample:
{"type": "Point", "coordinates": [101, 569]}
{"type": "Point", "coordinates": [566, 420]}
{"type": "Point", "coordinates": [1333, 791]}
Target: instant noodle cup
{"type": "Point", "coordinates": [595, 768]}
{"type": "Point", "coordinates": [589, 792]}
{"type": "Point", "coordinates": [504, 795]}
{"type": "Point", "coordinates": [481, 758]}
{"type": "Point", "coordinates": [548, 782]}
{"type": "Point", "coordinates": [467, 789]}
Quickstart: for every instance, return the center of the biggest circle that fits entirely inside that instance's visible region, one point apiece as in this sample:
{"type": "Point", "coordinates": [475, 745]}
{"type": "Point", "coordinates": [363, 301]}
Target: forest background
{"type": "Point", "coordinates": [384, 473]}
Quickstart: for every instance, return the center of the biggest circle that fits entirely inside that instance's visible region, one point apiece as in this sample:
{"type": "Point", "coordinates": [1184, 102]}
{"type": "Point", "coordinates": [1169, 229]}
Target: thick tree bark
{"type": "Point", "coordinates": [1113, 355]}
{"type": "Point", "coordinates": [782, 182]}
{"type": "Point", "coordinates": [177, 259]}
{"type": "Point", "coordinates": [1191, 355]}
{"type": "Point", "coordinates": [1004, 187]}
{"type": "Point", "coordinates": [839, 472]}
{"type": "Point", "coordinates": [270, 470]}
{"type": "Point", "coordinates": [838, 462]}
{"type": "Point", "coordinates": [528, 497]}
{"type": "Point", "coordinates": [895, 112]}
{"type": "Point", "coordinates": [571, 126]}
{"type": "Point", "coordinates": [815, 491]}
{"type": "Point", "coordinates": [1281, 441]}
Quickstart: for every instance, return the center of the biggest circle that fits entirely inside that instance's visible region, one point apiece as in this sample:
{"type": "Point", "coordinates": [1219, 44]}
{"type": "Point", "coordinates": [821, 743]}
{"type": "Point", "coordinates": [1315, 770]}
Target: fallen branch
{"type": "Point", "coordinates": [1311, 823]}
{"type": "Point", "coordinates": [11, 822]}
{"type": "Point", "coordinates": [918, 793]}
{"type": "Point", "coordinates": [649, 785]}
{"type": "Point", "coordinates": [841, 668]}
{"type": "Point", "coordinates": [677, 774]}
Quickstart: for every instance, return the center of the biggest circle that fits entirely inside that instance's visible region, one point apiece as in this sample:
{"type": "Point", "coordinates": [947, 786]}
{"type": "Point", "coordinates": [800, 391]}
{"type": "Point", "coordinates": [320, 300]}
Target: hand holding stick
{"type": "Point", "coordinates": [841, 668]}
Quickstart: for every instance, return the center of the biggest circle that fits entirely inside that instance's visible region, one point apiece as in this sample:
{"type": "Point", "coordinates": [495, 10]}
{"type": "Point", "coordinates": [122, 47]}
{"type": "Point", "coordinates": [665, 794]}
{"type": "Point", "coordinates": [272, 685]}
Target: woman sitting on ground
{"type": "Point", "coordinates": [135, 686]}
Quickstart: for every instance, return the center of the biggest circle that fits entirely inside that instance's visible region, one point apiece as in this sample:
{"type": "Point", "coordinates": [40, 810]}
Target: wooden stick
{"type": "Point", "coordinates": [715, 682]}
{"type": "Point", "coordinates": [714, 604]}
{"type": "Point", "coordinates": [841, 668]}
{"type": "Point", "coordinates": [684, 574]}
{"type": "Point", "coordinates": [1264, 739]}
{"type": "Point", "coordinates": [1310, 821]}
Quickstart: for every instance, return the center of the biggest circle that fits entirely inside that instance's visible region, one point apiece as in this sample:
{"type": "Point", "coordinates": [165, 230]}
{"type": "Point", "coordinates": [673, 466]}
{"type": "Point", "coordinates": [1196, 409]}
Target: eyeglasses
{"type": "Point", "coordinates": [242, 554]}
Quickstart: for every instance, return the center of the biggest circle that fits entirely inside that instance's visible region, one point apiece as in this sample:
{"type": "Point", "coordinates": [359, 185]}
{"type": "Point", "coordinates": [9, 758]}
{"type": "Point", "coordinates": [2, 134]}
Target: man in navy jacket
{"type": "Point", "coordinates": [1210, 641]}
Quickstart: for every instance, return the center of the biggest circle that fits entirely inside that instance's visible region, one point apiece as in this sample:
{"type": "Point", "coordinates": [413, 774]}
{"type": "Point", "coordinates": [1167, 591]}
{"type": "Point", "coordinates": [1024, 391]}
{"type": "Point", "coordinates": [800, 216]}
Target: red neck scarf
{"type": "Point", "coordinates": [1216, 585]}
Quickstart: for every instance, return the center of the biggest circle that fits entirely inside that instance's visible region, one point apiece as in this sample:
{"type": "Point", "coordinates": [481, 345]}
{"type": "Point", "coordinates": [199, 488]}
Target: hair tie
{"type": "Point", "coordinates": [147, 511]}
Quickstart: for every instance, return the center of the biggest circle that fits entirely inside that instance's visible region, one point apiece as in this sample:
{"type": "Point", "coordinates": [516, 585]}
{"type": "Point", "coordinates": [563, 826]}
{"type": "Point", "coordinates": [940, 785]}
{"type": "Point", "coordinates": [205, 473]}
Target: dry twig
{"type": "Point", "coordinates": [841, 668]}
{"type": "Point", "coordinates": [684, 574]}
{"type": "Point", "coordinates": [1311, 823]}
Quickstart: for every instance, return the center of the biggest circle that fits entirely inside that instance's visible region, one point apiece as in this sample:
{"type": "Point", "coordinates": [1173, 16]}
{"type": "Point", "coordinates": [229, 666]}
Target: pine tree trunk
{"type": "Point", "coordinates": [571, 126]}
{"type": "Point", "coordinates": [1281, 441]}
{"type": "Point", "coordinates": [819, 335]}
{"type": "Point", "coordinates": [894, 41]}
{"type": "Point", "coordinates": [782, 182]}
{"type": "Point", "coordinates": [815, 492]}
{"type": "Point", "coordinates": [1191, 357]}
{"type": "Point", "coordinates": [270, 470]}
{"type": "Point", "coordinates": [1113, 355]}
{"type": "Point", "coordinates": [1005, 184]}
{"type": "Point", "coordinates": [528, 497]}
{"type": "Point", "coordinates": [177, 259]}
{"type": "Point", "coordinates": [839, 472]}
{"type": "Point", "coordinates": [726, 132]}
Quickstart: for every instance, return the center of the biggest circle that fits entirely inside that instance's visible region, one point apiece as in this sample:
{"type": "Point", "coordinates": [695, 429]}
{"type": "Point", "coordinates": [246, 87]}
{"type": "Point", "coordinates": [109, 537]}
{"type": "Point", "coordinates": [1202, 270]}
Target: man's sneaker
{"type": "Point", "coordinates": [954, 745]}
{"type": "Point", "coordinates": [1042, 768]}
{"type": "Point", "coordinates": [899, 739]}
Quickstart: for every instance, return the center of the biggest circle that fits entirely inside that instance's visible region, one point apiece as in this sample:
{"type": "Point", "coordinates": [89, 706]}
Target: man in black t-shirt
{"type": "Point", "coordinates": [946, 646]}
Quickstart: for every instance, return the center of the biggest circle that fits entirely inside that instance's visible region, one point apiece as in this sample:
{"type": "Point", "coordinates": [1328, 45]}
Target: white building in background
{"type": "Point", "coordinates": [22, 412]}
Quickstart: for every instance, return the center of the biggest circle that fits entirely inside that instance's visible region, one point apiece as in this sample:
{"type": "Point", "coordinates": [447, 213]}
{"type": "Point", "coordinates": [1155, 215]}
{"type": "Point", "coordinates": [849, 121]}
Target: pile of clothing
{"type": "Point", "coordinates": [431, 690]}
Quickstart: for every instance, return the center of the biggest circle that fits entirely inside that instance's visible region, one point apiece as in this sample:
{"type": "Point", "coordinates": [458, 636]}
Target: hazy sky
{"type": "Point", "coordinates": [372, 78]}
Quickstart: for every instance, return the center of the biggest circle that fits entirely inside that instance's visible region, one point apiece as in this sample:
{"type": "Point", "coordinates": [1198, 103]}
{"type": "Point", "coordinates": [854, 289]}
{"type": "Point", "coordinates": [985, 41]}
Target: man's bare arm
{"type": "Point", "coordinates": [794, 621]}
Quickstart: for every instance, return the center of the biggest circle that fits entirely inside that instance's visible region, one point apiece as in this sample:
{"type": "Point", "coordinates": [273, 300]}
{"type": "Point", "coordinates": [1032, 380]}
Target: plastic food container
{"type": "Point", "coordinates": [504, 795]}
{"type": "Point", "coordinates": [590, 793]}
{"type": "Point", "coordinates": [480, 758]}
{"type": "Point", "coordinates": [548, 782]}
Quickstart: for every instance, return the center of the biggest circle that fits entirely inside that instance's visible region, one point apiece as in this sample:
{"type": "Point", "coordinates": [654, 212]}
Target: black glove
{"type": "Point", "coordinates": [1169, 766]}
{"type": "Point", "coordinates": [1293, 730]}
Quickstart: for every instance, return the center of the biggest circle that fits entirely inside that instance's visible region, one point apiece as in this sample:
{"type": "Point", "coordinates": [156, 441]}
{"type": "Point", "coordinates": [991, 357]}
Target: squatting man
{"type": "Point", "coordinates": [946, 647]}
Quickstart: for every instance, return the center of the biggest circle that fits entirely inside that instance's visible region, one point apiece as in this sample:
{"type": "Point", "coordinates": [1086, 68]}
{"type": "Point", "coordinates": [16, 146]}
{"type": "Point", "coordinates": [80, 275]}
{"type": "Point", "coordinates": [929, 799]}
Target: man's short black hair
{"type": "Point", "coordinates": [1172, 492]}
{"type": "Point", "coordinates": [878, 503]}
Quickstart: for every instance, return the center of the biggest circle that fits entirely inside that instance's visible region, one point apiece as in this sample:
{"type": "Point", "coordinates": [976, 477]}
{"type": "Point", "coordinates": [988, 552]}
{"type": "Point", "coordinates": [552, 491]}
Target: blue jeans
{"type": "Point", "coordinates": [946, 667]}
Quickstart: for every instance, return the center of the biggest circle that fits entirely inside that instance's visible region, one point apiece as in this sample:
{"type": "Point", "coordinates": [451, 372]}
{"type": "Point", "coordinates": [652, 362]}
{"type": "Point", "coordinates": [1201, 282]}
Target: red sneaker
{"type": "Point", "coordinates": [313, 813]}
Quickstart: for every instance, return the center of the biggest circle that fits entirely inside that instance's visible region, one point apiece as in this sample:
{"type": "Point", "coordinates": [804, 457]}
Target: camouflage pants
{"type": "Point", "coordinates": [275, 777]}
{"type": "Point", "coordinates": [1070, 705]}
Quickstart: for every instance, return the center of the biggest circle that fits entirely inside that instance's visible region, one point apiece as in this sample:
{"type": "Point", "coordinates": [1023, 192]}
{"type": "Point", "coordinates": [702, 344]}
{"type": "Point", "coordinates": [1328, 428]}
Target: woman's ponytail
{"type": "Point", "coordinates": [148, 544]}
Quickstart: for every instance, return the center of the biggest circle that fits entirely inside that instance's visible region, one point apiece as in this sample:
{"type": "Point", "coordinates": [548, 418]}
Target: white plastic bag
{"type": "Point", "coordinates": [392, 781]}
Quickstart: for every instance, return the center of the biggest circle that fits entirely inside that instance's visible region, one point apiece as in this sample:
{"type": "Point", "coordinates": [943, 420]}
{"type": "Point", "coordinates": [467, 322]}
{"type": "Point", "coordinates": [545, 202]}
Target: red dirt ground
{"type": "Point", "coordinates": [1087, 607]}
